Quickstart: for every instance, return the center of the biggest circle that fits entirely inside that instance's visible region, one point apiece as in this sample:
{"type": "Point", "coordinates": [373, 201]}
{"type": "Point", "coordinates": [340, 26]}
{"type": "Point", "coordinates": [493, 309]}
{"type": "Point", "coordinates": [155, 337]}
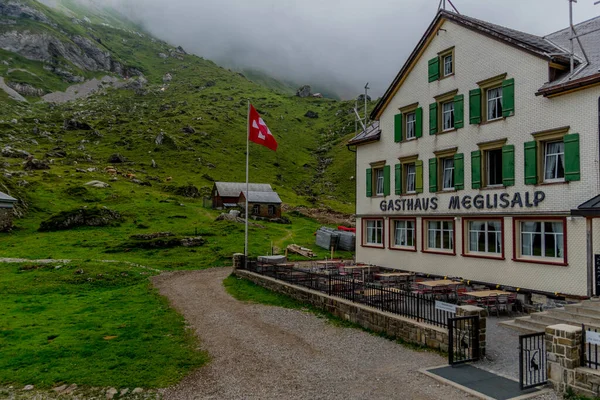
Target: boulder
{"type": "Point", "coordinates": [34, 164]}
{"type": "Point", "coordinates": [74, 125]}
{"type": "Point", "coordinates": [304, 91]}
{"type": "Point", "coordinates": [9, 152]}
{"type": "Point", "coordinates": [188, 129]}
{"type": "Point", "coordinates": [98, 184]}
{"type": "Point", "coordinates": [95, 217]}
{"type": "Point", "coordinates": [311, 114]}
{"type": "Point", "coordinates": [167, 78]}
{"type": "Point", "coordinates": [193, 241]}
{"type": "Point", "coordinates": [116, 159]}
{"type": "Point", "coordinates": [150, 236]}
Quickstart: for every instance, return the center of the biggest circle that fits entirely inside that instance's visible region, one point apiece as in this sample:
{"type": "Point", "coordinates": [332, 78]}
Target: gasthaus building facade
{"type": "Point", "coordinates": [481, 148]}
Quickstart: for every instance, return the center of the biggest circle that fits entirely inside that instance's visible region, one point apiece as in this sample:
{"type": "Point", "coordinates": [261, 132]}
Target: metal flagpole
{"type": "Point", "coordinates": [247, 191]}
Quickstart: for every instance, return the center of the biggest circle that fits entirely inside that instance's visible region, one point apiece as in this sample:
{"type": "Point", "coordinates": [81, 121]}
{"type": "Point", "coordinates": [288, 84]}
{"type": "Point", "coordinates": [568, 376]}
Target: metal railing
{"type": "Point", "coordinates": [420, 307]}
{"type": "Point", "coordinates": [589, 351]}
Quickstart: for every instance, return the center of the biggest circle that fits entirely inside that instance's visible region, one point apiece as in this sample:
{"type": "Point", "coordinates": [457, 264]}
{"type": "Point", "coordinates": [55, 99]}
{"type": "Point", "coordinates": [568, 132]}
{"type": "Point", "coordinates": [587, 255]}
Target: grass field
{"type": "Point", "coordinates": [94, 324]}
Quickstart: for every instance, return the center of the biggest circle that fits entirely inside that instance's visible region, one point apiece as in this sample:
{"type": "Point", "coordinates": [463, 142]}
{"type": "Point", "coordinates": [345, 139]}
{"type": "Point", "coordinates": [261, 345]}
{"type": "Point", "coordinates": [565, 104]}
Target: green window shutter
{"type": "Point", "coordinates": [398, 180]}
{"type": "Point", "coordinates": [475, 106]}
{"type": "Point", "coordinates": [369, 182]}
{"type": "Point", "coordinates": [419, 122]}
{"type": "Point", "coordinates": [508, 97]}
{"type": "Point", "coordinates": [433, 173]}
{"type": "Point", "coordinates": [419, 176]}
{"type": "Point", "coordinates": [386, 180]}
{"type": "Point", "coordinates": [508, 165]}
{"type": "Point", "coordinates": [572, 168]}
{"type": "Point", "coordinates": [398, 128]}
{"type": "Point", "coordinates": [531, 177]}
{"type": "Point", "coordinates": [476, 169]}
{"type": "Point", "coordinates": [433, 118]}
{"type": "Point", "coordinates": [459, 111]}
{"type": "Point", "coordinates": [434, 69]}
{"type": "Point", "coordinates": [459, 171]}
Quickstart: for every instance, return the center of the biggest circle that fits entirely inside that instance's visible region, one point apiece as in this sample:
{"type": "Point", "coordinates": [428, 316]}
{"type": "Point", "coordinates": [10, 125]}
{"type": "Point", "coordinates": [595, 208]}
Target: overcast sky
{"type": "Point", "coordinates": [339, 43]}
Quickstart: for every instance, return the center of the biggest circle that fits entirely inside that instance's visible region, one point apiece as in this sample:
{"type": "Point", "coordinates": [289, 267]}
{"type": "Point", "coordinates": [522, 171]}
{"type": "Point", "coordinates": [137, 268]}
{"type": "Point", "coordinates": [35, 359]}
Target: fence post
{"type": "Point", "coordinates": [563, 344]}
{"type": "Point", "coordinates": [353, 288]}
{"type": "Point", "coordinates": [329, 285]}
{"type": "Point", "coordinates": [451, 341]}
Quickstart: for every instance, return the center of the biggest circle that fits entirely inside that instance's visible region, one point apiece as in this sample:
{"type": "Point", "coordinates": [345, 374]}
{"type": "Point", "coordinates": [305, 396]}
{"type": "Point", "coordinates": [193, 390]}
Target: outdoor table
{"type": "Point", "coordinates": [376, 292]}
{"type": "Point", "coordinates": [443, 282]}
{"type": "Point", "coordinates": [393, 274]}
{"type": "Point", "coordinates": [486, 293]}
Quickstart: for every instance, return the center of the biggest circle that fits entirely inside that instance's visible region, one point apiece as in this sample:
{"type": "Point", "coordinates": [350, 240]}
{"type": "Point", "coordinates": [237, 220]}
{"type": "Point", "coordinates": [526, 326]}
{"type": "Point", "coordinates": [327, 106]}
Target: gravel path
{"type": "Point", "coordinates": [274, 353]}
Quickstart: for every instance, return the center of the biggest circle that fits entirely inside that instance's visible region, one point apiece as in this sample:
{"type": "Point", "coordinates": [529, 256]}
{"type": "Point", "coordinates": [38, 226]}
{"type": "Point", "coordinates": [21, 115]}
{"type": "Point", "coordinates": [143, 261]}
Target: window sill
{"type": "Point", "coordinates": [495, 187]}
{"type": "Point", "coordinates": [442, 77]}
{"type": "Point", "coordinates": [447, 131]}
{"type": "Point", "coordinates": [411, 249]}
{"type": "Point", "coordinates": [409, 140]}
{"type": "Point", "coordinates": [551, 183]}
{"type": "Point", "coordinates": [471, 255]}
{"type": "Point", "coordinates": [491, 121]}
{"type": "Point", "coordinates": [445, 253]}
{"type": "Point", "coordinates": [373, 246]}
{"type": "Point", "coordinates": [531, 261]}
{"type": "Point", "coordinates": [409, 194]}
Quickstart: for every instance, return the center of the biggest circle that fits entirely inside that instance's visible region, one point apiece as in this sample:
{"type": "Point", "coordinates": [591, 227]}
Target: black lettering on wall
{"type": "Point", "coordinates": [454, 203]}
{"type": "Point", "coordinates": [383, 205]}
{"type": "Point", "coordinates": [478, 201]}
{"type": "Point", "coordinates": [538, 197]}
{"type": "Point", "coordinates": [466, 202]}
{"type": "Point", "coordinates": [517, 200]}
{"type": "Point", "coordinates": [434, 203]}
{"type": "Point", "coordinates": [504, 203]}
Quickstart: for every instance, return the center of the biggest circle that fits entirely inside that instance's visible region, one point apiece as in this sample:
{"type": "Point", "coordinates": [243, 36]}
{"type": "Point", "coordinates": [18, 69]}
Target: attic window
{"type": "Point", "coordinates": [555, 71]}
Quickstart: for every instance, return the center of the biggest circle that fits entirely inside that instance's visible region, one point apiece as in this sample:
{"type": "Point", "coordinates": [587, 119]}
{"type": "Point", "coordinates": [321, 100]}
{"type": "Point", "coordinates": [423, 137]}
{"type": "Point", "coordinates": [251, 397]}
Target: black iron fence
{"type": "Point", "coordinates": [533, 369]}
{"type": "Point", "coordinates": [589, 347]}
{"type": "Point", "coordinates": [363, 290]}
{"type": "Point", "coordinates": [463, 340]}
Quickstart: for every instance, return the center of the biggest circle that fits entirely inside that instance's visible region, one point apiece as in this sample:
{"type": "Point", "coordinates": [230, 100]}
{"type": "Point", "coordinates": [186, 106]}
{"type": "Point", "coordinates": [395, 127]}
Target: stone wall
{"type": "Point", "coordinates": [370, 318]}
{"type": "Point", "coordinates": [6, 218]}
{"type": "Point", "coordinates": [563, 344]}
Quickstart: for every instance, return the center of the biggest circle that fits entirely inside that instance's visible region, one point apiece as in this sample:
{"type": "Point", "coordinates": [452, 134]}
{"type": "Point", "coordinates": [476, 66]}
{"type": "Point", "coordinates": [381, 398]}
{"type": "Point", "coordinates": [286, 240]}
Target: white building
{"type": "Point", "coordinates": [483, 145]}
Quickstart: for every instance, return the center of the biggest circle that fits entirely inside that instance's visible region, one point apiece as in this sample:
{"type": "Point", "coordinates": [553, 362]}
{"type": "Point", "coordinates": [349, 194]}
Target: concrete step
{"type": "Point", "coordinates": [584, 309]}
{"type": "Point", "coordinates": [528, 322]}
{"type": "Point", "coordinates": [518, 326]}
{"type": "Point", "coordinates": [571, 315]}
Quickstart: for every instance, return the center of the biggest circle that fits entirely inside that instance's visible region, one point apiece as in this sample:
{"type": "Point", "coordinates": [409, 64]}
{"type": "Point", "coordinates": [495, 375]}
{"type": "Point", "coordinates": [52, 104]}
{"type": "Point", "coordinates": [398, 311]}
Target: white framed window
{"type": "Point", "coordinates": [256, 209]}
{"type": "Point", "coordinates": [440, 235]}
{"type": "Point", "coordinates": [494, 103]}
{"type": "Point", "coordinates": [373, 232]}
{"type": "Point", "coordinates": [493, 164]}
{"type": "Point", "coordinates": [411, 126]}
{"type": "Point", "coordinates": [554, 161]}
{"type": "Point", "coordinates": [411, 176]}
{"type": "Point", "coordinates": [448, 63]}
{"type": "Point", "coordinates": [379, 181]}
{"type": "Point", "coordinates": [448, 173]}
{"type": "Point", "coordinates": [403, 233]}
{"type": "Point", "coordinates": [448, 116]}
{"type": "Point", "coordinates": [484, 237]}
{"type": "Point", "coordinates": [542, 240]}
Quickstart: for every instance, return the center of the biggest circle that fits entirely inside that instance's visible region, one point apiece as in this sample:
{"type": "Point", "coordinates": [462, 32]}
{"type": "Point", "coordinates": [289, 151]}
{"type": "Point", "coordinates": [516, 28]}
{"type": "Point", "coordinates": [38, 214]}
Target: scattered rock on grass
{"type": "Point", "coordinates": [81, 217]}
{"type": "Point", "coordinates": [110, 393]}
{"type": "Point", "coordinates": [150, 236]}
{"type": "Point", "coordinates": [137, 390]}
{"type": "Point", "coordinates": [28, 387]}
{"type": "Point", "coordinates": [35, 164]}
{"type": "Point", "coordinates": [97, 184]}
{"type": "Point", "coordinates": [116, 159]}
{"type": "Point", "coordinates": [9, 152]}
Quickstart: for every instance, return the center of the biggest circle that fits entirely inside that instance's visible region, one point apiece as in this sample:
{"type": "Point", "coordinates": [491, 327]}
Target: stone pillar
{"type": "Point", "coordinates": [470, 311]}
{"type": "Point", "coordinates": [563, 344]}
{"type": "Point", "coordinates": [238, 261]}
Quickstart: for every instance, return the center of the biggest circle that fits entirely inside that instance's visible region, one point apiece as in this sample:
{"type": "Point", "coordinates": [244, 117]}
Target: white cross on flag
{"type": "Point", "coordinates": [258, 131]}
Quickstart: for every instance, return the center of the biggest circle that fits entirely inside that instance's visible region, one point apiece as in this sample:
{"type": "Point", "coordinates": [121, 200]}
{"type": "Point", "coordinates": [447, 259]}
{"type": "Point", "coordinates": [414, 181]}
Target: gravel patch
{"type": "Point", "coordinates": [11, 92]}
{"type": "Point", "coordinates": [262, 352]}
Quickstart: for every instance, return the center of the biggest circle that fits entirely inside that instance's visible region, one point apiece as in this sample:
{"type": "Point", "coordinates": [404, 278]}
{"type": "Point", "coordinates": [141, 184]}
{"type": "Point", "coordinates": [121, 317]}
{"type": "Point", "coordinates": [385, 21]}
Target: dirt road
{"type": "Point", "coordinates": [262, 352]}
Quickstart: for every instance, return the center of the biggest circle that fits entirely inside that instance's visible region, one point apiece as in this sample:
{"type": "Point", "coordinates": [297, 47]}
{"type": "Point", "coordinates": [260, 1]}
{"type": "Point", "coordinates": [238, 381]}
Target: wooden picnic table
{"type": "Point", "coordinates": [375, 292]}
{"type": "Point", "coordinates": [443, 282]}
{"type": "Point", "coordinates": [393, 274]}
{"type": "Point", "coordinates": [486, 293]}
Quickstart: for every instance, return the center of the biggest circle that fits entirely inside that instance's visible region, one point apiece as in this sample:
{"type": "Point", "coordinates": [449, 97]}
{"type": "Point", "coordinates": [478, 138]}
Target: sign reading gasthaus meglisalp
{"type": "Point", "coordinates": [592, 337]}
{"type": "Point", "coordinates": [440, 305]}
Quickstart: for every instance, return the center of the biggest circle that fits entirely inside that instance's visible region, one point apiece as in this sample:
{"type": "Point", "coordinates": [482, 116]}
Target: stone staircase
{"type": "Point", "coordinates": [587, 312]}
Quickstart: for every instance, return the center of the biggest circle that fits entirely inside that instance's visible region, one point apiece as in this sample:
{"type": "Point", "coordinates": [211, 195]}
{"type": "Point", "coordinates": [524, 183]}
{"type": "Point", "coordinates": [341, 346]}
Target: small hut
{"type": "Point", "coordinates": [227, 194]}
{"type": "Point", "coordinates": [262, 204]}
{"type": "Point", "coordinates": [6, 211]}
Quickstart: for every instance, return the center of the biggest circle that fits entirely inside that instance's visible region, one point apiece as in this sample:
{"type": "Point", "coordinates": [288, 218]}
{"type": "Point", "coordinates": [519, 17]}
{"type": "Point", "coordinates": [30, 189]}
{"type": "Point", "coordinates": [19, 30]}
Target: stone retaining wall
{"type": "Point", "coordinates": [370, 318]}
{"type": "Point", "coordinates": [6, 218]}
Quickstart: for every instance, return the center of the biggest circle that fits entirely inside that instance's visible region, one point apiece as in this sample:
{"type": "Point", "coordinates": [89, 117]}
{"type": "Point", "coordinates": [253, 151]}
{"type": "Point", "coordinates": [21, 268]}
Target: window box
{"type": "Point", "coordinates": [540, 240]}
{"type": "Point", "coordinates": [483, 238]}
{"type": "Point", "coordinates": [372, 233]}
{"type": "Point", "coordinates": [438, 236]}
{"type": "Point", "coordinates": [553, 157]}
{"type": "Point", "coordinates": [403, 234]}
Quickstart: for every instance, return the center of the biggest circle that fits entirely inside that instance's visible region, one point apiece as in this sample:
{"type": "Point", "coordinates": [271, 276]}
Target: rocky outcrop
{"type": "Point", "coordinates": [81, 217]}
{"type": "Point", "coordinates": [304, 91]}
{"type": "Point", "coordinates": [26, 89]}
{"type": "Point", "coordinates": [15, 9]}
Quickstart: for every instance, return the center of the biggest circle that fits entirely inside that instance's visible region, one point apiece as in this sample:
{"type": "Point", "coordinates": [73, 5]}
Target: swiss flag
{"type": "Point", "coordinates": [258, 131]}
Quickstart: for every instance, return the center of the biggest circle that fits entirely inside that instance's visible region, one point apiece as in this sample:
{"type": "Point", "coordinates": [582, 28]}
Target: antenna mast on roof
{"type": "Point", "coordinates": [442, 5]}
{"type": "Point", "coordinates": [363, 121]}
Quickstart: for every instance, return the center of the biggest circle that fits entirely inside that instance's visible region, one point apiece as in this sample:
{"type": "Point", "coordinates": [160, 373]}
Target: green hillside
{"type": "Point", "coordinates": [188, 131]}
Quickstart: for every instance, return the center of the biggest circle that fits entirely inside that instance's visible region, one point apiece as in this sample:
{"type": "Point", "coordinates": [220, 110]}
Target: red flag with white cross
{"type": "Point", "coordinates": [258, 131]}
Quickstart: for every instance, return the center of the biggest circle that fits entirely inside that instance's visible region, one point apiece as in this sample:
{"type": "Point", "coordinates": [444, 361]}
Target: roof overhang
{"type": "Point", "coordinates": [571, 86]}
{"type": "Point", "coordinates": [590, 208]}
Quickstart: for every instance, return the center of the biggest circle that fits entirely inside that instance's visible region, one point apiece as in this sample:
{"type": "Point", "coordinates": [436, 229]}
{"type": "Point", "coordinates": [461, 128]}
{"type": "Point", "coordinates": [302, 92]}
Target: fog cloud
{"type": "Point", "coordinates": [339, 44]}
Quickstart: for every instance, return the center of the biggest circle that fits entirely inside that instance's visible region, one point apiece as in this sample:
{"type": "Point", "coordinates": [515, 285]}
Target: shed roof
{"type": "Point", "coordinates": [233, 189]}
{"type": "Point", "coordinates": [372, 133]}
{"type": "Point", "coordinates": [4, 198]}
{"type": "Point", "coordinates": [590, 208]}
{"type": "Point", "coordinates": [263, 197]}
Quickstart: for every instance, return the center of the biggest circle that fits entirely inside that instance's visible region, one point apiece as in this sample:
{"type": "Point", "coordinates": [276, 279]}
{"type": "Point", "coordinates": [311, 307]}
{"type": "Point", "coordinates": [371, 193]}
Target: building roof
{"type": "Point", "coordinates": [590, 208]}
{"type": "Point", "coordinates": [584, 73]}
{"type": "Point", "coordinates": [233, 189]}
{"type": "Point", "coordinates": [263, 197]}
{"type": "Point", "coordinates": [372, 133]}
{"type": "Point", "coordinates": [4, 198]}
{"type": "Point", "coordinates": [551, 47]}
